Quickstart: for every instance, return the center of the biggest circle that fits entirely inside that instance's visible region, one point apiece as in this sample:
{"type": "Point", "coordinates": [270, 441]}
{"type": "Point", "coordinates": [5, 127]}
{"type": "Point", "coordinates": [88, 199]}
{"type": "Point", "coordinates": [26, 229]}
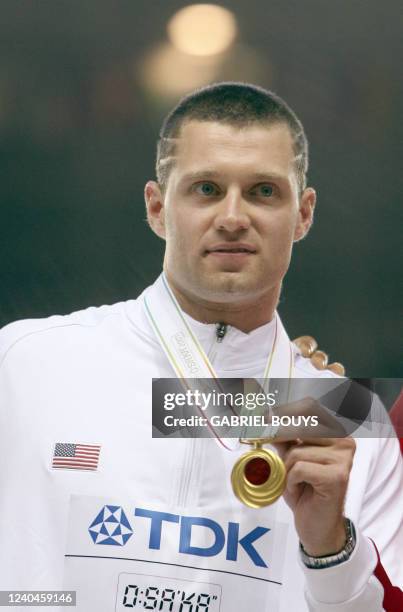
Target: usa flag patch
{"type": "Point", "coordinates": [73, 456]}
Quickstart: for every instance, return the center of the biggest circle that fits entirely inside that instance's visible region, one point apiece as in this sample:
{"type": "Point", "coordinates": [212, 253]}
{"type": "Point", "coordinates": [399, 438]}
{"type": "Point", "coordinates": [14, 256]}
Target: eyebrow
{"type": "Point", "coordinates": [212, 174]}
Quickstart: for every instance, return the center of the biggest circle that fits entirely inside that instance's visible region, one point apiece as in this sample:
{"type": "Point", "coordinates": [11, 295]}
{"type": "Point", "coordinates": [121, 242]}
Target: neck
{"type": "Point", "coordinates": [245, 316]}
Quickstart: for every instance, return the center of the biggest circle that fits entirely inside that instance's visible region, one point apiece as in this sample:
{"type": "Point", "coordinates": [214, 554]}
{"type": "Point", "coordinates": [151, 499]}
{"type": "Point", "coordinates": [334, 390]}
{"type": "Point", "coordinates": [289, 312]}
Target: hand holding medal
{"type": "Point", "coordinates": [259, 476]}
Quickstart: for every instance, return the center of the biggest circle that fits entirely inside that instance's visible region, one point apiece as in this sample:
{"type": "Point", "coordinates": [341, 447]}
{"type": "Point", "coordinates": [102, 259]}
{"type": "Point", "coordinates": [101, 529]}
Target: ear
{"type": "Point", "coordinates": [305, 213]}
{"type": "Point", "coordinates": [155, 208]}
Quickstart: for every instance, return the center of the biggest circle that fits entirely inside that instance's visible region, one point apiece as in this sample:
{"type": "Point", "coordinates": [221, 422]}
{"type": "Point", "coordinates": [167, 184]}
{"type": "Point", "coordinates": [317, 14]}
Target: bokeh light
{"type": "Point", "coordinates": [202, 29]}
{"type": "Point", "coordinates": [168, 72]}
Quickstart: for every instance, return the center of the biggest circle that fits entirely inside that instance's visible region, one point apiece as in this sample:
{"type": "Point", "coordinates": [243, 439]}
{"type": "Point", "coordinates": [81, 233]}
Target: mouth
{"type": "Point", "coordinates": [231, 249]}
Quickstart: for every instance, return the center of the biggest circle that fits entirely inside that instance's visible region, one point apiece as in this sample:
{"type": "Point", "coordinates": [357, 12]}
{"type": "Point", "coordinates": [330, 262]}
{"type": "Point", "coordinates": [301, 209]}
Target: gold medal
{"type": "Point", "coordinates": [259, 476]}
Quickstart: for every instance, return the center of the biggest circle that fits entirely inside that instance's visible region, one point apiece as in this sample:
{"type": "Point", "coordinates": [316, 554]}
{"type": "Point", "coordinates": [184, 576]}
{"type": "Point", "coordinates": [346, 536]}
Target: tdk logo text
{"type": "Point", "coordinates": [112, 527]}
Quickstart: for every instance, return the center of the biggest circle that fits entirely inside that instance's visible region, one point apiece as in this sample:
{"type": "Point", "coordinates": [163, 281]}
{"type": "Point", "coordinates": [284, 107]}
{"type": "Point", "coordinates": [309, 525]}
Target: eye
{"type": "Point", "coordinates": [206, 189]}
{"type": "Point", "coordinates": [265, 190]}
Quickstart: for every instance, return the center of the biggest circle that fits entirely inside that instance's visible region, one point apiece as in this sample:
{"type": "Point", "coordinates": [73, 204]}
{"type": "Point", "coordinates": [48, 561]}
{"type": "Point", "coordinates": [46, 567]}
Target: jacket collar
{"type": "Point", "coordinates": [238, 354]}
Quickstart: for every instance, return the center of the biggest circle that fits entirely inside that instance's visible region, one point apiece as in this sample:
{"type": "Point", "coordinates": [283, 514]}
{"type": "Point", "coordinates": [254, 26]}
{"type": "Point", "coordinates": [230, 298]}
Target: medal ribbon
{"type": "Point", "coordinates": [188, 358]}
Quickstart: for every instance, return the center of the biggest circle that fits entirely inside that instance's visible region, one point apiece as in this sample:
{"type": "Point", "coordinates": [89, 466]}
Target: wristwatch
{"type": "Point", "coordinates": [336, 558]}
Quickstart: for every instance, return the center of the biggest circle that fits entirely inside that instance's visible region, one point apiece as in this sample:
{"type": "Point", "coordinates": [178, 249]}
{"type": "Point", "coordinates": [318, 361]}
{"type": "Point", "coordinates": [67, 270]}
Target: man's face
{"type": "Point", "coordinates": [231, 211]}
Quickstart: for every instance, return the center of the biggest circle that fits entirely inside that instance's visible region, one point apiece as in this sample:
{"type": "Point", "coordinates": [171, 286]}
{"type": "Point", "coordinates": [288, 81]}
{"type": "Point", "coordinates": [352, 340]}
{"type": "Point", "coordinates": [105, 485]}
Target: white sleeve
{"type": "Point", "coordinates": [348, 587]}
{"type": "Point", "coordinates": [352, 585]}
{"type": "Point", "coordinates": [381, 514]}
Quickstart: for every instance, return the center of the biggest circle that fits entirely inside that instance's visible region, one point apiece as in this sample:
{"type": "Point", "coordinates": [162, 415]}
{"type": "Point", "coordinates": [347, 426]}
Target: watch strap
{"type": "Point", "coordinates": [336, 558]}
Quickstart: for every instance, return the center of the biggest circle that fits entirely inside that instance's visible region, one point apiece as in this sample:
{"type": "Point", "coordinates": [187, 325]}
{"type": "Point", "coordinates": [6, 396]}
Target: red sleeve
{"type": "Point", "coordinates": [393, 596]}
{"type": "Point", "coordinates": [396, 416]}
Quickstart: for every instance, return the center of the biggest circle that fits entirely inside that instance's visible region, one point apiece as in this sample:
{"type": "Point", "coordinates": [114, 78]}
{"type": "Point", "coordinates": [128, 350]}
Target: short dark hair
{"type": "Point", "coordinates": [235, 104]}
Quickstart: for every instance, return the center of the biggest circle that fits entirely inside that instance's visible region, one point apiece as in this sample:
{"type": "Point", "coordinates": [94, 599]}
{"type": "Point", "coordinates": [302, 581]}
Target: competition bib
{"type": "Point", "coordinates": [128, 554]}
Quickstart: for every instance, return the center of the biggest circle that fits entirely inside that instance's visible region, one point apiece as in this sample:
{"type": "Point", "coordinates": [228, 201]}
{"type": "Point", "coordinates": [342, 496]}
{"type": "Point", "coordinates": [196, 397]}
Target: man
{"type": "Point", "coordinates": [91, 502]}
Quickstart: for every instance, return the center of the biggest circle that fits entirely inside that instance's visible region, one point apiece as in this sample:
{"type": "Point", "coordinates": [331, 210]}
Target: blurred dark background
{"type": "Point", "coordinates": [83, 89]}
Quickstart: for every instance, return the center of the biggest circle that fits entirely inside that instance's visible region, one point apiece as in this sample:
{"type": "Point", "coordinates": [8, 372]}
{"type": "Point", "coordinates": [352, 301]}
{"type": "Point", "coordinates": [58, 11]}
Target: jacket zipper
{"type": "Point", "coordinates": [194, 451]}
{"type": "Point", "coordinates": [220, 333]}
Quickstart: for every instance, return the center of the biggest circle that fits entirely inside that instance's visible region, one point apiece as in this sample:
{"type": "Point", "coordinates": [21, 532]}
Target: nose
{"type": "Point", "coordinates": [232, 213]}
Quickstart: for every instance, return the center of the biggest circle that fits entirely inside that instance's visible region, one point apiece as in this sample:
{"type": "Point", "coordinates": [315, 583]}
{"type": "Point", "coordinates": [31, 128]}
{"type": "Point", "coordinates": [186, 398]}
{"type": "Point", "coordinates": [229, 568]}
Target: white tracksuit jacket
{"type": "Point", "coordinates": [189, 544]}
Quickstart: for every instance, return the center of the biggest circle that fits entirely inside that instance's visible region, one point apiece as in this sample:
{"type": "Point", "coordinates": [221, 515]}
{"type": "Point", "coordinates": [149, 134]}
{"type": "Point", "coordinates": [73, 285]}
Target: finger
{"type": "Point", "coordinates": [306, 344]}
{"type": "Point", "coordinates": [324, 478]}
{"type": "Point", "coordinates": [341, 443]}
{"type": "Point", "coordinates": [319, 360]}
{"type": "Point", "coordinates": [290, 433]}
{"type": "Point", "coordinates": [283, 448]}
{"type": "Point", "coordinates": [309, 348]}
{"type": "Point", "coordinates": [304, 472]}
{"type": "Point", "coordinates": [337, 368]}
{"type": "Point", "coordinates": [311, 454]}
